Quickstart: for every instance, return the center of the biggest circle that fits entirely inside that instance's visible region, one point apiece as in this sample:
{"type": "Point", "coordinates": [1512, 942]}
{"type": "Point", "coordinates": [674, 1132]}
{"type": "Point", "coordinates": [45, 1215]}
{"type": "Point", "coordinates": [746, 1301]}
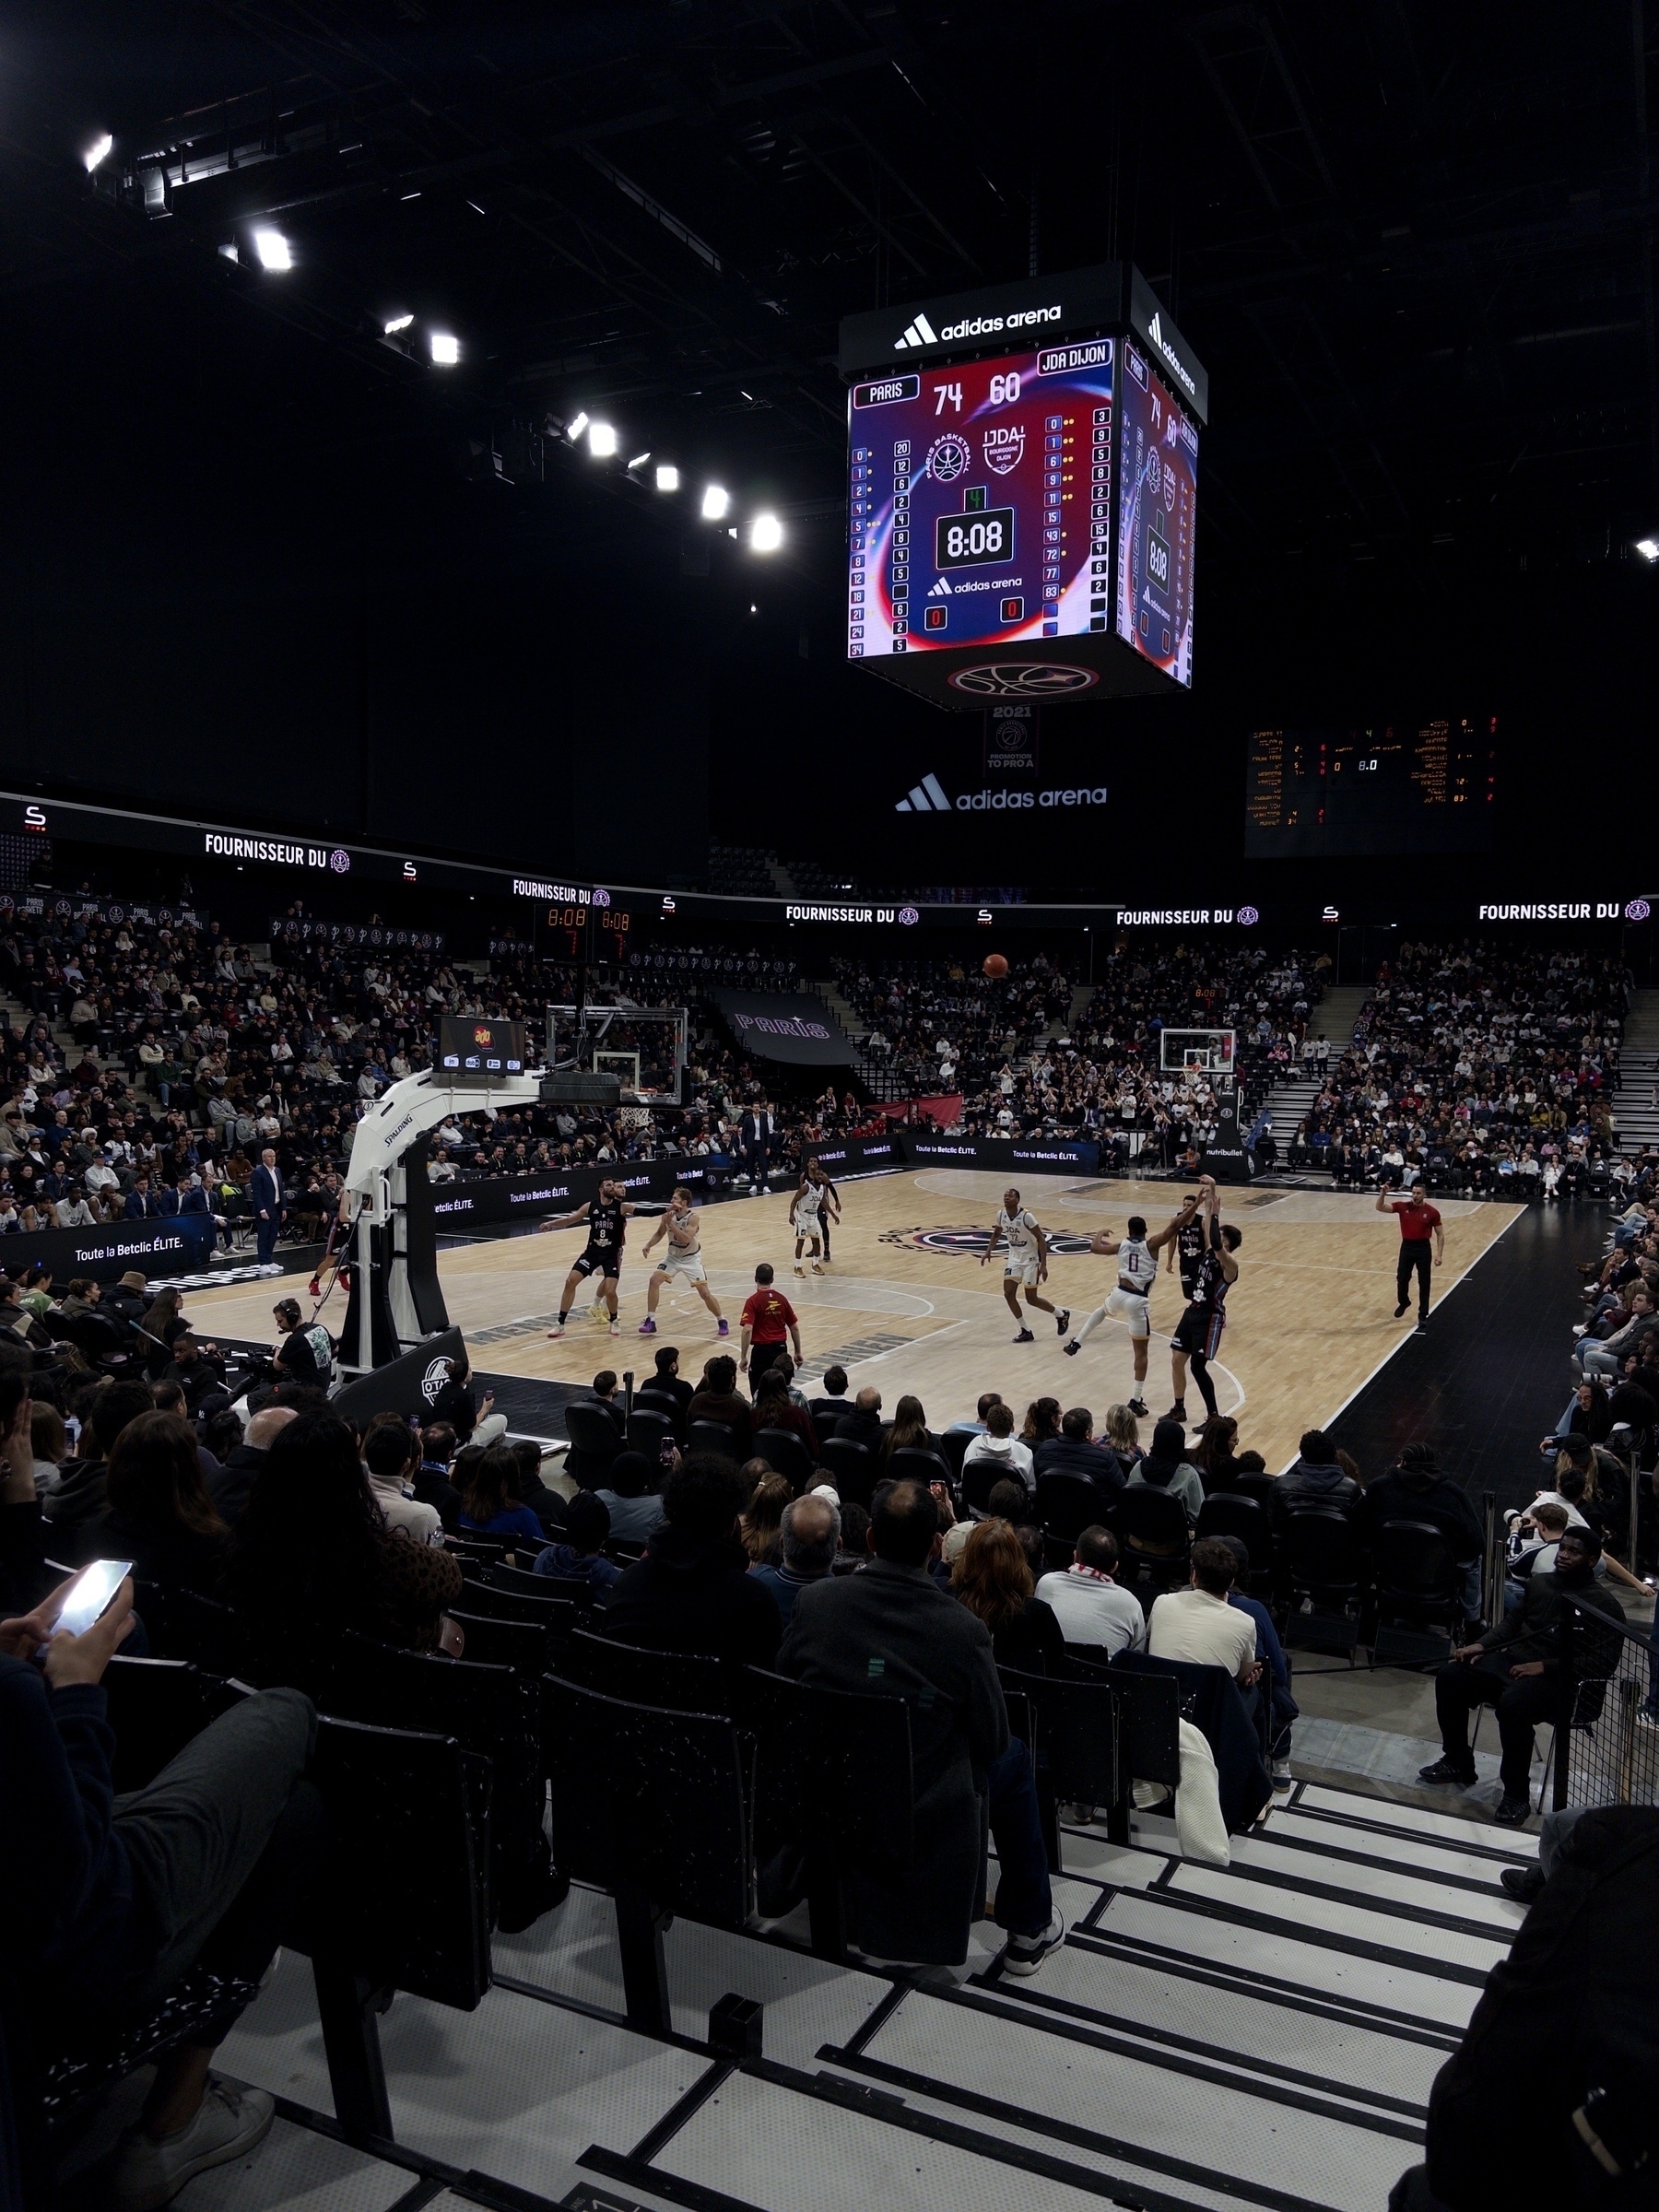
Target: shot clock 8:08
{"type": "Point", "coordinates": [960, 541]}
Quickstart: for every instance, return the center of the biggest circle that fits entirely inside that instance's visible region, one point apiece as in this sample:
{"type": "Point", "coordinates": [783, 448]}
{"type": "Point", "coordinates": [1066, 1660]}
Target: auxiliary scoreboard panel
{"type": "Point", "coordinates": [1021, 516]}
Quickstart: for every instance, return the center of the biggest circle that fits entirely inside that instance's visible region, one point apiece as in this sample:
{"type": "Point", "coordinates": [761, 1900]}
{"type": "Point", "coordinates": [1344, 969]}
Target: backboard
{"type": "Point", "coordinates": [645, 1047]}
{"type": "Point", "coordinates": [1197, 1052]}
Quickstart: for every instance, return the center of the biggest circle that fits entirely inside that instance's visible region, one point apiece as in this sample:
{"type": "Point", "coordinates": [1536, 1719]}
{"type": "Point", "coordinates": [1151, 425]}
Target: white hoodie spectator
{"type": "Point", "coordinates": [1003, 1448]}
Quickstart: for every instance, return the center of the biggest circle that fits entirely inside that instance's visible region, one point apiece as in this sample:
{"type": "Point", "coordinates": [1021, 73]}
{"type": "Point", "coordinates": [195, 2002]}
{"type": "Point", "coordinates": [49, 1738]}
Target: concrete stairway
{"type": "Point", "coordinates": [1637, 1105]}
{"type": "Point", "coordinates": [1333, 1017]}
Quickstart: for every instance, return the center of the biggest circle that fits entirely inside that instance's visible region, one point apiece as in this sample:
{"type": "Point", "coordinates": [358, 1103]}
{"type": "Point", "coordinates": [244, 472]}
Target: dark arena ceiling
{"type": "Point", "coordinates": [1413, 243]}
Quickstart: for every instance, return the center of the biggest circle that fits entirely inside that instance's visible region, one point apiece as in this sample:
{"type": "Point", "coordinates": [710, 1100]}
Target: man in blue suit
{"type": "Point", "coordinates": [141, 1204]}
{"type": "Point", "coordinates": [267, 1193]}
{"type": "Point", "coordinates": [192, 1198]}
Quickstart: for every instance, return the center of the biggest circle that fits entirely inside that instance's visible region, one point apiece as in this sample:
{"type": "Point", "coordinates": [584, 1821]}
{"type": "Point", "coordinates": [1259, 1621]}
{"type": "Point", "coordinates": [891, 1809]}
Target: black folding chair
{"type": "Point", "coordinates": [493, 1711]}
{"type": "Point", "coordinates": [1321, 1569]}
{"type": "Point", "coordinates": [1075, 1753]}
{"type": "Point", "coordinates": [712, 1436]}
{"type": "Point", "coordinates": [833, 1796]}
{"type": "Point", "coordinates": [523, 1644]}
{"type": "Point", "coordinates": [669, 1679]}
{"type": "Point", "coordinates": [852, 1468]}
{"type": "Point", "coordinates": [1067, 1504]}
{"type": "Point", "coordinates": [203, 1631]}
{"type": "Point", "coordinates": [1231, 1514]}
{"type": "Point", "coordinates": [648, 1430]}
{"type": "Point", "coordinates": [910, 1465]}
{"type": "Point", "coordinates": [653, 1806]}
{"type": "Point", "coordinates": [786, 1454]}
{"type": "Point", "coordinates": [1151, 1528]}
{"type": "Point", "coordinates": [1418, 1591]}
{"type": "Point", "coordinates": [596, 1440]}
{"type": "Point", "coordinates": [953, 1444]}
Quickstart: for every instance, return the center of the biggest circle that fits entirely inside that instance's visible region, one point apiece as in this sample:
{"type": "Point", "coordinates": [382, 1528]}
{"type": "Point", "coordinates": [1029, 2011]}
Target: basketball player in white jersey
{"type": "Point", "coordinates": [805, 1215]}
{"type": "Point", "coordinates": [1026, 1263]}
{"type": "Point", "coordinates": [1136, 1255]}
{"type": "Point", "coordinates": [683, 1229]}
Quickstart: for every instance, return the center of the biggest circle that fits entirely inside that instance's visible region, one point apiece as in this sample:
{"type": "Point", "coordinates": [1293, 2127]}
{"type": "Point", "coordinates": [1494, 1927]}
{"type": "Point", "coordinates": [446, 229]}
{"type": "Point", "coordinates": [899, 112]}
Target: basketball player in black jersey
{"type": "Point", "coordinates": [1199, 1333]}
{"type": "Point", "coordinates": [606, 1217]}
{"type": "Point", "coordinates": [1191, 1241]}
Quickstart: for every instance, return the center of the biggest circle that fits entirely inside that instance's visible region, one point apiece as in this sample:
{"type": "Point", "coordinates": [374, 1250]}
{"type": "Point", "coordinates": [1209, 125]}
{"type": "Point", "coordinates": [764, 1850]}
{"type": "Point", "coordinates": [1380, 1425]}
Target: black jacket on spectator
{"type": "Point", "coordinates": [235, 1479]}
{"type": "Point", "coordinates": [855, 1428]}
{"type": "Point", "coordinates": [72, 1508]}
{"type": "Point", "coordinates": [546, 1504]}
{"type": "Point", "coordinates": [1307, 1483]}
{"type": "Point", "coordinates": [688, 1594]}
{"type": "Point", "coordinates": [1578, 1983]}
{"type": "Point", "coordinates": [1071, 1455]}
{"type": "Point", "coordinates": [432, 1487]}
{"type": "Point", "coordinates": [891, 1632]}
{"type": "Point", "coordinates": [1415, 1494]}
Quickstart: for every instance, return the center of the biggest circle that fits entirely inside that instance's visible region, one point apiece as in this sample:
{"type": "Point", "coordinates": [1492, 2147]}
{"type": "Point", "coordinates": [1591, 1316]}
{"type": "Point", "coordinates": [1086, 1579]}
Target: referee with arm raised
{"type": "Point", "coordinates": [1419, 1222]}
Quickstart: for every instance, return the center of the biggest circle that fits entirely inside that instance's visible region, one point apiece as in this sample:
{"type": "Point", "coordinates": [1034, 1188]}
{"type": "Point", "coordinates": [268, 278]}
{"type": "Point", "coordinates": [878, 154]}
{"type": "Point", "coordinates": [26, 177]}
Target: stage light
{"type": "Point", "coordinates": [602, 441]}
{"type": "Point", "coordinates": [446, 350]}
{"type": "Point", "coordinates": [273, 249]}
{"type": "Point", "coordinates": [766, 533]}
{"type": "Point", "coordinates": [716, 501]}
{"type": "Point", "coordinates": [574, 428]}
{"type": "Point", "coordinates": [1648, 547]}
{"type": "Point", "coordinates": [667, 477]}
{"type": "Point", "coordinates": [99, 152]}
{"type": "Point", "coordinates": [397, 323]}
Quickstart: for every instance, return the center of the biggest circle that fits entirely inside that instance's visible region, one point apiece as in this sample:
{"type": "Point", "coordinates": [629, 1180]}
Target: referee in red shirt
{"type": "Point", "coordinates": [767, 1317]}
{"type": "Point", "coordinates": [1419, 1222]}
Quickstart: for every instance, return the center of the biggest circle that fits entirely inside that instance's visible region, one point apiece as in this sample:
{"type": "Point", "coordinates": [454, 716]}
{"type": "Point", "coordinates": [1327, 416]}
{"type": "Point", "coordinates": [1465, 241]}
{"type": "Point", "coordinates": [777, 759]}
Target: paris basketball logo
{"type": "Point", "coordinates": [947, 457]}
{"type": "Point", "coordinates": [1005, 448]}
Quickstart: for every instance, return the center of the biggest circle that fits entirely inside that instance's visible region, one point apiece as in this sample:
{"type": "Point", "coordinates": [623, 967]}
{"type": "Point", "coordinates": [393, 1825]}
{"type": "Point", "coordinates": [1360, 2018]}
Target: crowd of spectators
{"type": "Point", "coordinates": [1484, 1067]}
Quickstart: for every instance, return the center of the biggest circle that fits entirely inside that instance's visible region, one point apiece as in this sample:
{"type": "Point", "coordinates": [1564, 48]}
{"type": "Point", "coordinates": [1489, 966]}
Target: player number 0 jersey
{"type": "Point", "coordinates": [1136, 1265]}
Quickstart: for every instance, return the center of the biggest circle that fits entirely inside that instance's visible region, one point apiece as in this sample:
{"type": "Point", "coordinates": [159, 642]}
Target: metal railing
{"type": "Point", "coordinates": [1607, 1731]}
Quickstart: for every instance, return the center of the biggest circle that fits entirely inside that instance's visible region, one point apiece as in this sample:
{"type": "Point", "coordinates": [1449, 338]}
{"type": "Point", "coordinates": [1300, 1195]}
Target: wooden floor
{"type": "Point", "coordinates": [1310, 1319]}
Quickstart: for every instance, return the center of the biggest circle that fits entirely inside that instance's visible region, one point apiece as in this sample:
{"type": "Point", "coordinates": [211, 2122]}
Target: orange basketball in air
{"type": "Point", "coordinates": [995, 967]}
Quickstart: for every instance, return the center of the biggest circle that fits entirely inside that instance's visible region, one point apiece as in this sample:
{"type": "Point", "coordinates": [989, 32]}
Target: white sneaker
{"type": "Point", "coordinates": [230, 2123]}
{"type": "Point", "coordinates": [1025, 1954]}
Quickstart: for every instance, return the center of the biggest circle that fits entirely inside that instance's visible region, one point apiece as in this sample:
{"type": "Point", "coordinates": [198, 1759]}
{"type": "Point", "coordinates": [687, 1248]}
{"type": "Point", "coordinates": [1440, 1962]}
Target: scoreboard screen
{"type": "Point", "coordinates": [1432, 787]}
{"type": "Point", "coordinates": [980, 501]}
{"type": "Point", "coordinates": [1158, 504]}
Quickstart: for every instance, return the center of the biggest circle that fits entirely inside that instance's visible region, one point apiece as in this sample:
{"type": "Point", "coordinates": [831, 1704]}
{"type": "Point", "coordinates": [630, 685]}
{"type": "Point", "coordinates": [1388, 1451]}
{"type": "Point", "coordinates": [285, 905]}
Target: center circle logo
{"type": "Point", "coordinates": [971, 1240]}
{"type": "Point", "coordinates": [1638, 911]}
{"type": "Point", "coordinates": [1022, 679]}
{"type": "Point", "coordinates": [947, 457]}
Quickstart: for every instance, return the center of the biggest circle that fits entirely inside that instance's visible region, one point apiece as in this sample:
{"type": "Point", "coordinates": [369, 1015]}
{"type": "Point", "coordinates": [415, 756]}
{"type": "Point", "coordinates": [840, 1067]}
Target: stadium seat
{"type": "Point", "coordinates": [953, 1443]}
{"type": "Point", "coordinates": [1418, 1590]}
{"type": "Point", "coordinates": [676, 1679]}
{"type": "Point", "coordinates": [1232, 1513]}
{"type": "Point", "coordinates": [852, 1468]}
{"type": "Point", "coordinates": [1067, 1504]}
{"type": "Point", "coordinates": [786, 1454]}
{"type": "Point", "coordinates": [1321, 1570]}
{"type": "Point", "coordinates": [523, 1644]}
{"type": "Point", "coordinates": [653, 1806]}
{"type": "Point", "coordinates": [1075, 1746]}
{"type": "Point", "coordinates": [596, 1440]}
{"type": "Point", "coordinates": [1151, 1529]}
{"type": "Point", "coordinates": [909, 1465]}
{"type": "Point", "coordinates": [1148, 1734]}
{"type": "Point", "coordinates": [648, 1400]}
{"type": "Point", "coordinates": [712, 1436]}
{"type": "Point", "coordinates": [826, 1418]}
{"type": "Point", "coordinates": [493, 1711]}
{"type": "Point", "coordinates": [560, 1615]}
{"type": "Point", "coordinates": [979, 1477]}
{"type": "Point", "coordinates": [203, 1631]}
{"type": "Point", "coordinates": [647, 1427]}
{"type": "Point", "coordinates": [833, 1796]}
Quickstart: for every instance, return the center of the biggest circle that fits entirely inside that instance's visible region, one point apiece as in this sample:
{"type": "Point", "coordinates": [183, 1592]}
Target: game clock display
{"type": "Point", "coordinates": [980, 501]}
{"type": "Point", "coordinates": [1157, 502]}
{"type": "Point", "coordinates": [478, 1051]}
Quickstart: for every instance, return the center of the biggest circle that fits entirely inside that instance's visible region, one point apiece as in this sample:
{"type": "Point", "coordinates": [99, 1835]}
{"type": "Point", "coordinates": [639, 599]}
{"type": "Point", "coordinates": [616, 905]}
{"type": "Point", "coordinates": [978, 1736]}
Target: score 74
{"type": "Point", "coordinates": [947, 395]}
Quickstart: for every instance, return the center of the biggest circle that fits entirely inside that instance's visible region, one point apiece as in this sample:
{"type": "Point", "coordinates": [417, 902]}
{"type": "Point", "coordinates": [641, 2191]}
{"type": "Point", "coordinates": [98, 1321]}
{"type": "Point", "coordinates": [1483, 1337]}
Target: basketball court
{"type": "Point", "coordinates": [906, 1306]}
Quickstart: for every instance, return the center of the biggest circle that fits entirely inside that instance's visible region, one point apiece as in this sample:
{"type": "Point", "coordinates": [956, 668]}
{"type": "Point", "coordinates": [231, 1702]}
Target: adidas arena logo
{"type": "Point", "coordinates": [928, 797]}
{"type": "Point", "coordinates": [922, 332]}
{"type": "Point", "coordinates": [1183, 376]}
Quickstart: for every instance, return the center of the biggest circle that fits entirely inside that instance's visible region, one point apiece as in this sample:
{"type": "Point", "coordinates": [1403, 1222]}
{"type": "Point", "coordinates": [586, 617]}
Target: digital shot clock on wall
{"type": "Point", "coordinates": [988, 511]}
